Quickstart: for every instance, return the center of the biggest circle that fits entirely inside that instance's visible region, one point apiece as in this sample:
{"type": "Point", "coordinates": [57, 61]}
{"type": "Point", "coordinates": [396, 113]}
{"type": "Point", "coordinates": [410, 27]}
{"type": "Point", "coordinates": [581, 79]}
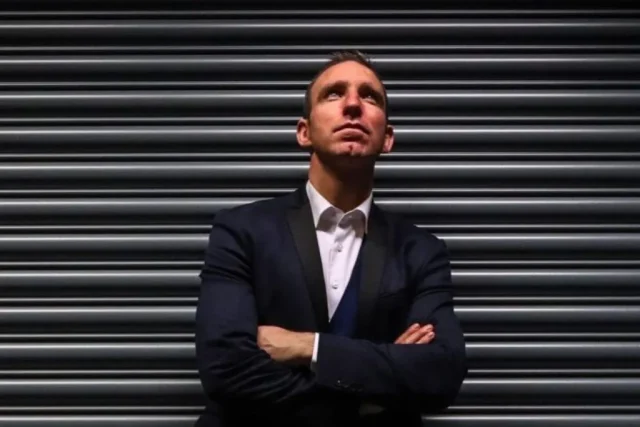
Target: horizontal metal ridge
{"type": "Point", "coordinates": [91, 279]}
{"type": "Point", "coordinates": [352, 16]}
{"type": "Point", "coordinates": [473, 337]}
{"type": "Point", "coordinates": [556, 390]}
{"type": "Point", "coordinates": [530, 263]}
{"type": "Point", "coordinates": [545, 280]}
{"type": "Point", "coordinates": [443, 138]}
{"type": "Point", "coordinates": [102, 409]}
{"type": "Point", "coordinates": [183, 391]}
{"type": "Point", "coordinates": [432, 120]}
{"type": "Point", "coordinates": [294, 173]}
{"type": "Point", "coordinates": [550, 371]}
{"type": "Point", "coordinates": [531, 420]}
{"type": "Point", "coordinates": [496, 409]}
{"type": "Point", "coordinates": [571, 356]}
{"type": "Point", "coordinates": [162, 11]}
{"type": "Point", "coordinates": [521, 284]}
{"type": "Point", "coordinates": [551, 336]}
{"type": "Point", "coordinates": [295, 84]}
{"type": "Point", "coordinates": [203, 48]}
{"type": "Point", "coordinates": [186, 6]}
{"type": "Point", "coordinates": [196, 242]}
{"type": "Point", "coordinates": [188, 337]}
{"type": "Point", "coordinates": [526, 420]}
{"type": "Point", "coordinates": [141, 371]}
{"type": "Point", "coordinates": [273, 191]}
{"type": "Point", "coordinates": [44, 374]}
{"type": "Point", "coordinates": [476, 318]}
{"type": "Point", "coordinates": [538, 318]}
{"type": "Point", "coordinates": [205, 227]}
{"type": "Point", "coordinates": [284, 156]}
{"type": "Point", "coordinates": [290, 100]}
{"type": "Point", "coordinates": [58, 353]}
{"type": "Point", "coordinates": [132, 420]}
{"type": "Point", "coordinates": [544, 354]}
{"type": "Point", "coordinates": [98, 337]}
{"type": "Point", "coordinates": [462, 300]}
{"type": "Point", "coordinates": [488, 263]}
{"type": "Point", "coordinates": [299, 28]}
{"type": "Point", "coordinates": [146, 301]}
{"type": "Point", "coordinates": [509, 66]}
{"type": "Point", "coordinates": [502, 206]}
{"type": "Point", "coordinates": [36, 265]}
{"type": "Point", "coordinates": [191, 246]}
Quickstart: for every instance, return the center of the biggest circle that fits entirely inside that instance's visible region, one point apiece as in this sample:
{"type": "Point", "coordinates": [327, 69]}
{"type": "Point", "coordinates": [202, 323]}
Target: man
{"type": "Point", "coordinates": [318, 308]}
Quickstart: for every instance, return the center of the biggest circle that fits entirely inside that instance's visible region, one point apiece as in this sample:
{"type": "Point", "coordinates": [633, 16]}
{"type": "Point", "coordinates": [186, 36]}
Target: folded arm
{"type": "Point", "coordinates": [230, 363]}
{"type": "Point", "coordinates": [425, 376]}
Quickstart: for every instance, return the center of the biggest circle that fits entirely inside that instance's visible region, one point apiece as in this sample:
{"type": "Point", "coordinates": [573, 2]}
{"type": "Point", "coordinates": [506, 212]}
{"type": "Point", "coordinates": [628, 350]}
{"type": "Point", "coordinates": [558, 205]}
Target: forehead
{"type": "Point", "coordinates": [350, 72]}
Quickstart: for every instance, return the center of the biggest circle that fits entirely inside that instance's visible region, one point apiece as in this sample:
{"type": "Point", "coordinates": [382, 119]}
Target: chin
{"type": "Point", "coordinates": [352, 148]}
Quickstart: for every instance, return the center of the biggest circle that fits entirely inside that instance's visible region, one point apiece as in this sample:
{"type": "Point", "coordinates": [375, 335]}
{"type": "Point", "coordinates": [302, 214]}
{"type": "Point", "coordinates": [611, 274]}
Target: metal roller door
{"type": "Point", "coordinates": [124, 127]}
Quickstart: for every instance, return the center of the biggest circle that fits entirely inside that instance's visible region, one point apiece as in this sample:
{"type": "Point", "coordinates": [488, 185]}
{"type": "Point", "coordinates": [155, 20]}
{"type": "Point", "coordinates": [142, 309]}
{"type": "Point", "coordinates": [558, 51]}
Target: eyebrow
{"type": "Point", "coordinates": [341, 84]}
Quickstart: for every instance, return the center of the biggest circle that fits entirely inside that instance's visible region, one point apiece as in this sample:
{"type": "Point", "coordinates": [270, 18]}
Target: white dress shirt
{"type": "Point", "coordinates": [339, 239]}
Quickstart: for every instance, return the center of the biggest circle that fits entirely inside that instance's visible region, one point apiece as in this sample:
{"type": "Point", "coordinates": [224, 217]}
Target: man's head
{"type": "Point", "coordinates": [345, 110]}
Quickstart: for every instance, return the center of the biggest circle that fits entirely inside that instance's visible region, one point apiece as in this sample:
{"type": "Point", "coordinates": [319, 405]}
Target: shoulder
{"type": "Point", "coordinates": [420, 251]}
{"type": "Point", "coordinates": [416, 245]}
{"type": "Point", "coordinates": [406, 232]}
{"type": "Point", "coordinates": [247, 215]}
{"type": "Point", "coordinates": [240, 228]}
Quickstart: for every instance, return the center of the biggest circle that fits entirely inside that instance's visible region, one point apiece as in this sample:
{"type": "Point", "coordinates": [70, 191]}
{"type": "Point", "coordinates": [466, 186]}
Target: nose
{"type": "Point", "coordinates": [352, 104]}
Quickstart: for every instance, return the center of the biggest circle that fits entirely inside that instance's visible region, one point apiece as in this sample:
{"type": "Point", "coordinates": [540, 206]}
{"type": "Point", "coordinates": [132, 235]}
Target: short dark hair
{"type": "Point", "coordinates": [337, 58]}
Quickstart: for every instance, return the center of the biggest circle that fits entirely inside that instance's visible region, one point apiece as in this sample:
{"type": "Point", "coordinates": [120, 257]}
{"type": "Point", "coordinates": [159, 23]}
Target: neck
{"type": "Point", "coordinates": [345, 188]}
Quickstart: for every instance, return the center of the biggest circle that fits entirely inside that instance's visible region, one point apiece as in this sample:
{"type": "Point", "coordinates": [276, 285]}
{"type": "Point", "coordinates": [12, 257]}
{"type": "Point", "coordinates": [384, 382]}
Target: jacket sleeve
{"type": "Point", "coordinates": [230, 363]}
{"type": "Point", "coordinates": [426, 377]}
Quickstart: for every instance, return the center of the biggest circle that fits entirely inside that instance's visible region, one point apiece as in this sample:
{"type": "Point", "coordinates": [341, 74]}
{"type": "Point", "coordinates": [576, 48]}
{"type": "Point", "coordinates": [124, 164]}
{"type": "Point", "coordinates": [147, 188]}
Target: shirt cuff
{"type": "Point", "coordinates": [314, 357]}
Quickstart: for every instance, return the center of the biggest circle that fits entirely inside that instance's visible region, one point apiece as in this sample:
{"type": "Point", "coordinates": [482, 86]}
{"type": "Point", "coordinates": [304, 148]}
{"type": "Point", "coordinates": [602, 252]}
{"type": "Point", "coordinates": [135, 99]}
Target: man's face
{"type": "Point", "coordinates": [347, 116]}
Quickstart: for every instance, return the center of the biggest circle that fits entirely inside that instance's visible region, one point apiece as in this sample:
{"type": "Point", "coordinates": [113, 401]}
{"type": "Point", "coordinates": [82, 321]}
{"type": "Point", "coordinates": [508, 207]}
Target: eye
{"type": "Point", "coordinates": [333, 91]}
{"type": "Point", "coordinates": [371, 96]}
{"type": "Point", "coordinates": [332, 94]}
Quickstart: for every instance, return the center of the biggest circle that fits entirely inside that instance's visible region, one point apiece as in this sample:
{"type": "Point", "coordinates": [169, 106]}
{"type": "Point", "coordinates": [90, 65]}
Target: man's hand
{"type": "Point", "coordinates": [297, 347]}
{"type": "Point", "coordinates": [286, 346]}
{"type": "Point", "coordinates": [416, 334]}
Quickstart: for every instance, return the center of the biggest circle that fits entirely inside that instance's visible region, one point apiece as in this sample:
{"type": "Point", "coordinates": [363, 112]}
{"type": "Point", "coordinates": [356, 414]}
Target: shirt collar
{"type": "Point", "coordinates": [320, 205]}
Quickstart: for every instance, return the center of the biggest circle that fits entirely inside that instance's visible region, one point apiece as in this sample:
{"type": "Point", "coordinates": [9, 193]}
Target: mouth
{"type": "Point", "coordinates": [352, 126]}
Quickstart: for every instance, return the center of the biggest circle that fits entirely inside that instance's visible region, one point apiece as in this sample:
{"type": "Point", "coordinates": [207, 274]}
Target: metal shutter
{"type": "Point", "coordinates": [124, 128]}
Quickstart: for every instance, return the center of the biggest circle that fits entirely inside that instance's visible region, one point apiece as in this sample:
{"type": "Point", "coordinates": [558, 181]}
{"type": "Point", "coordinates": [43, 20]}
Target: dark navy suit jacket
{"type": "Point", "coordinates": [263, 267]}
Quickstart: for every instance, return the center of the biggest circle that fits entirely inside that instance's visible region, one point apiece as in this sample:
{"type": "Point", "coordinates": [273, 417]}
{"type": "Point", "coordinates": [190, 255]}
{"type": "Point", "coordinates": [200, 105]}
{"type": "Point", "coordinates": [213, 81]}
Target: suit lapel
{"type": "Point", "coordinates": [304, 235]}
{"type": "Point", "coordinates": [373, 261]}
{"type": "Point", "coordinates": [374, 253]}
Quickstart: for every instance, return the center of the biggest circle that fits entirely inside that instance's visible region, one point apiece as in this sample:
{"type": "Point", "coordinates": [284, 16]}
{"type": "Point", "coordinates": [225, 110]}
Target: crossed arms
{"type": "Point", "coordinates": [239, 359]}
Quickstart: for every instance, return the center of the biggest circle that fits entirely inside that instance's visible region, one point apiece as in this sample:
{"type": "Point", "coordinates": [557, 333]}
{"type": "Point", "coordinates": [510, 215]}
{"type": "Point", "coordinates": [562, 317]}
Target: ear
{"type": "Point", "coordinates": [302, 134]}
{"type": "Point", "coordinates": [389, 139]}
